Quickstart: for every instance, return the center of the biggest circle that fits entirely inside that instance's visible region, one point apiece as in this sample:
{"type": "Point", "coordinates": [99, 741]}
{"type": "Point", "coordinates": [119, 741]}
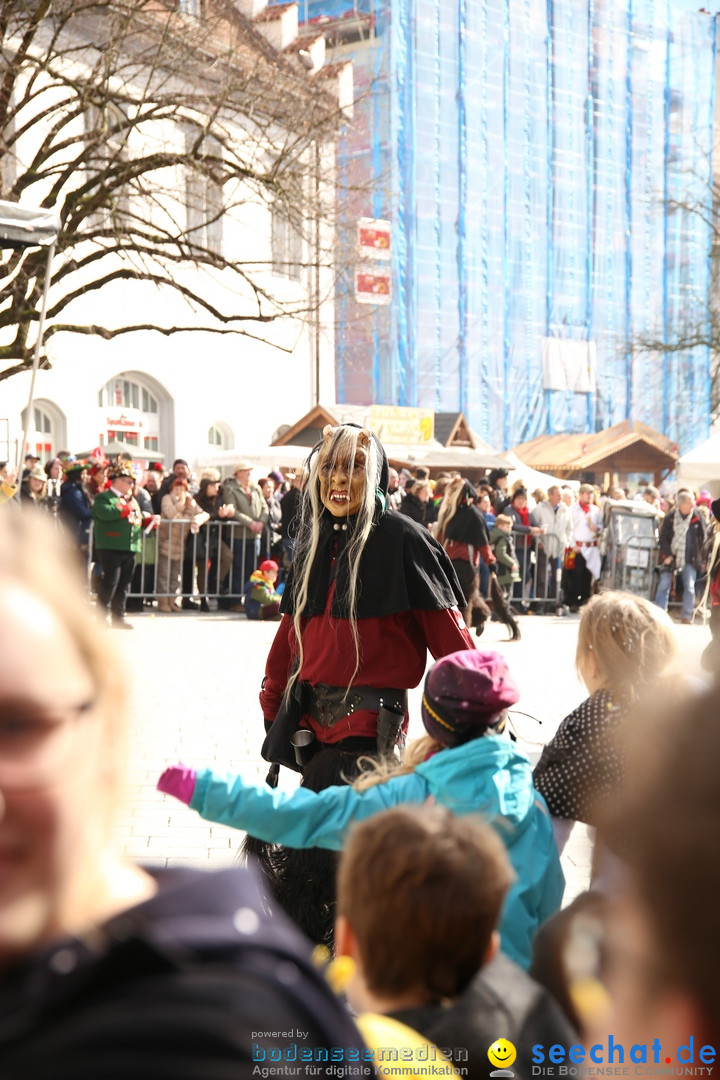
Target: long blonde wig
{"type": "Point", "coordinates": [452, 499]}
{"type": "Point", "coordinates": [340, 444]}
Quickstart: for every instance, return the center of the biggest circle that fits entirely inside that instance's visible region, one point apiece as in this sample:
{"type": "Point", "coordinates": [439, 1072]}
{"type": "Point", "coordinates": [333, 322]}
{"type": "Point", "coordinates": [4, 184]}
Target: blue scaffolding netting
{"type": "Point", "coordinates": [543, 164]}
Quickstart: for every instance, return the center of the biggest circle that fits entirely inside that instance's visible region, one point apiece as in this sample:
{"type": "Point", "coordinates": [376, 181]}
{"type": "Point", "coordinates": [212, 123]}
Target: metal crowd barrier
{"type": "Point", "coordinates": [631, 569]}
{"type": "Point", "coordinates": [213, 563]}
{"type": "Point", "coordinates": [216, 562]}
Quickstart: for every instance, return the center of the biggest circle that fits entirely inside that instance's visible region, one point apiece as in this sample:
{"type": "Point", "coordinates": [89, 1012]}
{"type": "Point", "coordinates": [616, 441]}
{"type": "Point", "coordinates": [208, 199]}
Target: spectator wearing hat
{"type": "Point", "coordinates": [213, 555]}
{"type": "Point", "coordinates": [32, 490]}
{"type": "Point", "coordinates": [118, 525]}
{"type": "Point", "coordinates": [498, 480]}
{"type": "Point", "coordinates": [465, 762]}
{"type": "Point", "coordinates": [280, 483]}
{"type": "Point", "coordinates": [261, 600]}
{"type": "Point", "coordinates": [29, 462]}
{"type": "Point", "coordinates": [250, 512]}
{"type": "Point", "coordinates": [75, 509]}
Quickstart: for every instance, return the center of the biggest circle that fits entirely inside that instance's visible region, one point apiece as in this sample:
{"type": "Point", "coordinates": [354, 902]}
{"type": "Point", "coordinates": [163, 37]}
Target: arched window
{"type": "Point", "coordinates": [46, 431]}
{"type": "Point", "coordinates": [220, 436]}
{"type": "Point", "coordinates": [129, 414]}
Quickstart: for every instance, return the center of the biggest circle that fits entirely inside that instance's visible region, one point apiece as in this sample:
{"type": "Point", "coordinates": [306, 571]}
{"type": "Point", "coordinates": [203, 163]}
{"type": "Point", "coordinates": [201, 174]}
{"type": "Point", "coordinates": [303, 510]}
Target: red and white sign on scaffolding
{"type": "Point", "coordinates": [373, 288]}
{"type": "Point", "coordinates": [373, 238]}
{"type": "Point", "coordinates": [373, 283]}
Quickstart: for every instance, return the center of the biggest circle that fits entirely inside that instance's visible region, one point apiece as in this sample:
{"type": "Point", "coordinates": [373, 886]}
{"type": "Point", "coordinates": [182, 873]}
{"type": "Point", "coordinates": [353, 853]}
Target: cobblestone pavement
{"type": "Point", "coordinates": [195, 682]}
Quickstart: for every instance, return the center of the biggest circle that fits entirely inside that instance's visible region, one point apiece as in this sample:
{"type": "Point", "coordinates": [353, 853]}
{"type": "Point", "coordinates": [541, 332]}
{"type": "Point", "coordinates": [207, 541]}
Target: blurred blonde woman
{"type": "Point", "coordinates": [109, 969]}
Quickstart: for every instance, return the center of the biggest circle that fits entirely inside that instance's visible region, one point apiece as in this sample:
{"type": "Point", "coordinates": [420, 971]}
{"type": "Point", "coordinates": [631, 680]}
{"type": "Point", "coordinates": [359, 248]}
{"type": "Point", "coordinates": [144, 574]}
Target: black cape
{"type": "Point", "coordinates": [402, 568]}
{"type": "Point", "coordinates": [468, 526]}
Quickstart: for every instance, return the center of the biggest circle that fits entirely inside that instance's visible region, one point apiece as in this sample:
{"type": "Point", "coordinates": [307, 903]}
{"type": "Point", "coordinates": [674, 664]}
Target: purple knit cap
{"type": "Point", "coordinates": [465, 694]}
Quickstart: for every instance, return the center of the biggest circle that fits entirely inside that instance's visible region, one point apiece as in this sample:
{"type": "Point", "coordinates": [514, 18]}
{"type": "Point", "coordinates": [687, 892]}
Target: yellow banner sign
{"type": "Point", "coordinates": [399, 424]}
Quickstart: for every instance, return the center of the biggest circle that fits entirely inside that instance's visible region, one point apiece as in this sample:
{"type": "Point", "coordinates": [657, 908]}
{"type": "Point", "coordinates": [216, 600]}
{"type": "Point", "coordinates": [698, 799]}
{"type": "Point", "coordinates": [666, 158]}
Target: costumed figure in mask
{"type": "Point", "coordinates": [462, 531]}
{"type": "Point", "coordinates": [369, 593]}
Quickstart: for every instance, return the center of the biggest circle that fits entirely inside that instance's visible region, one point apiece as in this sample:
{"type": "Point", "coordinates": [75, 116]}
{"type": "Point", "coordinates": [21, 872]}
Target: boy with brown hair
{"type": "Point", "coordinates": [419, 896]}
{"type": "Point", "coordinates": [418, 900]}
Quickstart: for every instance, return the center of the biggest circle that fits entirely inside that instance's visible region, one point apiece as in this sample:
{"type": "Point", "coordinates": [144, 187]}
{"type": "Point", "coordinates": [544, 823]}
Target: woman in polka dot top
{"type": "Point", "coordinates": [624, 644]}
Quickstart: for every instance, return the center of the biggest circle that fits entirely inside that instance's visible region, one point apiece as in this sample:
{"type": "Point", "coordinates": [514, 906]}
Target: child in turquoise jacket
{"type": "Point", "coordinates": [465, 697]}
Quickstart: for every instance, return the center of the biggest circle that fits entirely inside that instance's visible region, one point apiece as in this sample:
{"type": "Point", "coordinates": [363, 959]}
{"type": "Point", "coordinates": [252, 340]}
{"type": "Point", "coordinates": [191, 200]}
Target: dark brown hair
{"type": "Point", "coordinates": [422, 891]}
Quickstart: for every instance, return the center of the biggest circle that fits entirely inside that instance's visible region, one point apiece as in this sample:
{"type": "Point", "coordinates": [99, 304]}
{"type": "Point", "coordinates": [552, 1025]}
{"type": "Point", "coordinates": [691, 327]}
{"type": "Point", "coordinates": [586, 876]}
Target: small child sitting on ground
{"type": "Point", "coordinates": [465, 762]}
{"type": "Point", "coordinates": [261, 599]}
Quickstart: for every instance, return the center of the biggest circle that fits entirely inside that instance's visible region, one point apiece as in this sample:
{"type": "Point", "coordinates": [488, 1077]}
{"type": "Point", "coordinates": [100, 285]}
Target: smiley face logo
{"type": "Point", "coordinates": [502, 1054]}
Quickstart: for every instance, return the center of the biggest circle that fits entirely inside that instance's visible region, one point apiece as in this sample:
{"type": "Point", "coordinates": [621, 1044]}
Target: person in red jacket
{"type": "Point", "coordinates": [370, 592]}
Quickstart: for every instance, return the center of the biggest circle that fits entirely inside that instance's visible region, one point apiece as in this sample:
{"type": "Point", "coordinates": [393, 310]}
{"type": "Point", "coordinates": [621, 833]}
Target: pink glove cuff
{"type": "Point", "coordinates": [178, 781]}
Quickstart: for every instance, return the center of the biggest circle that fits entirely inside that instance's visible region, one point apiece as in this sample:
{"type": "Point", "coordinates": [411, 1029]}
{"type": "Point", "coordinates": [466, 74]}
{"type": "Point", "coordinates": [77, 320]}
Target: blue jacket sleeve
{"type": "Point", "coordinates": [302, 818]}
{"type": "Point", "coordinates": [72, 500]}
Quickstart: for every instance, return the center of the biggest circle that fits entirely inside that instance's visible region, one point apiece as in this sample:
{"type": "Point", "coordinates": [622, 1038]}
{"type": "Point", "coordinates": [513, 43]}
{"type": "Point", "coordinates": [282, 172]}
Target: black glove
{"type": "Point", "coordinates": [272, 777]}
{"type": "Point", "coordinates": [493, 567]}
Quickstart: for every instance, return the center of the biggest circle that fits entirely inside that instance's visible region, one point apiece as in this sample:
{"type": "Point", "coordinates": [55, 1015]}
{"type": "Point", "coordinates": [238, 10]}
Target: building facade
{"type": "Point", "coordinates": [265, 279]}
{"type": "Point", "coordinates": [544, 165]}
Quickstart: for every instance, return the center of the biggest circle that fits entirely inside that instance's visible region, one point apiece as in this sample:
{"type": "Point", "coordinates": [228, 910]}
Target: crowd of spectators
{"type": "Point", "coordinates": [205, 536]}
{"type": "Point", "coordinates": [554, 540]}
{"type": "Point", "coordinates": [550, 544]}
{"type": "Point", "coordinates": [109, 968]}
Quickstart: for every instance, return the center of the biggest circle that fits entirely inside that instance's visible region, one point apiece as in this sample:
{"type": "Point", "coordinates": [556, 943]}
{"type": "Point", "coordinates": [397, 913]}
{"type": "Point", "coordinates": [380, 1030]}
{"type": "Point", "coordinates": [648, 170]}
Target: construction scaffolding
{"type": "Point", "coordinates": [526, 156]}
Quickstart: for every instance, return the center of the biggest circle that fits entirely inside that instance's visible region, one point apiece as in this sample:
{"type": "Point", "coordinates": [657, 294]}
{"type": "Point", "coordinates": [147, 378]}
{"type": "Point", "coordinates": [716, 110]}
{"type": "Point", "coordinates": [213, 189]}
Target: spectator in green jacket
{"type": "Point", "coordinates": [118, 525]}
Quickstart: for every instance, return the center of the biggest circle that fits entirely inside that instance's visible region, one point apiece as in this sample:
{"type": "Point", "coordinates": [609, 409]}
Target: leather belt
{"type": "Point", "coordinates": [587, 543]}
{"type": "Point", "coordinates": [329, 704]}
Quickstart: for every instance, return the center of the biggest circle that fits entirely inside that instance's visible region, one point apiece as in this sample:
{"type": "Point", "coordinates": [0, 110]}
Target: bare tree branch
{"type": "Point", "coordinates": [150, 132]}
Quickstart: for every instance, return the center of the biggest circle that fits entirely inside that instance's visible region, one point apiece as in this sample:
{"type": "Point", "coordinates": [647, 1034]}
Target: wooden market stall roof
{"type": "Point", "coordinates": [627, 447]}
{"type": "Point", "coordinates": [455, 445]}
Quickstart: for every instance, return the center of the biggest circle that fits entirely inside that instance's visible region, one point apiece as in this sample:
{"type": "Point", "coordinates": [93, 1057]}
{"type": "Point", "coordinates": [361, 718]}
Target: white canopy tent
{"type": "Point", "coordinates": [262, 458]}
{"type": "Point", "coordinates": [533, 478]}
{"type": "Point", "coordinates": [292, 456]}
{"type": "Point", "coordinates": [700, 467]}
